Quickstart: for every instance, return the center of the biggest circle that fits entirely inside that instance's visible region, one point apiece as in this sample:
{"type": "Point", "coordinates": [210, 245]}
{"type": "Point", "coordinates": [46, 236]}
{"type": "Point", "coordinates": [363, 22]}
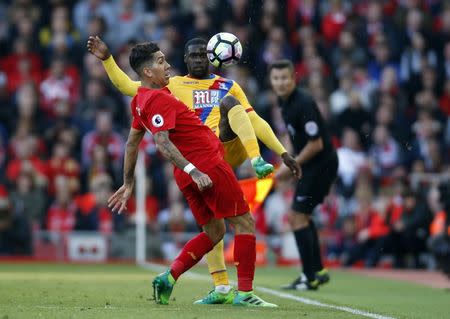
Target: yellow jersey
{"type": "Point", "coordinates": [203, 96]}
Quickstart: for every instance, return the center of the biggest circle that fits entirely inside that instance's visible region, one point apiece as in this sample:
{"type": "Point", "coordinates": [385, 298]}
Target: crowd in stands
{"type": "Point", "coordinates": [379, 71]}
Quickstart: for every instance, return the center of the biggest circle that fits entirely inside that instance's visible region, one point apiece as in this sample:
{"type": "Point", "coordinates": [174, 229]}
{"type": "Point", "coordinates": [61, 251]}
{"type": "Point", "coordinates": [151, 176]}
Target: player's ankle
{"type": "Point", "coordinates": [254, 159]}
{"type": "Point", "coordinates": [223, 289]}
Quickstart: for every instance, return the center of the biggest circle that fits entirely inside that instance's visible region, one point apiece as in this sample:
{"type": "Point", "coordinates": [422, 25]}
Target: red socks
{"type": "Point", "coordinates": [244, 258]}
{"type": "Point", "coordinates": [191, 254]}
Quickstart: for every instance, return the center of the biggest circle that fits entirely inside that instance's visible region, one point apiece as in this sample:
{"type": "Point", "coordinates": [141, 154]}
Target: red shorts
{"type": "Point", "coordinates": [224, 199]}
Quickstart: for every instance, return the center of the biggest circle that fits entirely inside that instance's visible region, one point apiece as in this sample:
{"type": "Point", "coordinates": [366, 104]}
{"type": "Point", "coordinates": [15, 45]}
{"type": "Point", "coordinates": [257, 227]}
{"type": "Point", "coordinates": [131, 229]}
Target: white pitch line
{"type": "Point", "coordinates": [307, 301]}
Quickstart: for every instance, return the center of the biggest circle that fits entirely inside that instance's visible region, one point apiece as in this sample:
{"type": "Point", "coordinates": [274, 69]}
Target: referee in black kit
{"type": "Point", "coordinates": [318, 160]}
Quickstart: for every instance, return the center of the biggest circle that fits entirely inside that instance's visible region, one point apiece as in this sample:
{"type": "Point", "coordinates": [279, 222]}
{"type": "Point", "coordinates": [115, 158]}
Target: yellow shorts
{"type": "Point", "coordinates": [235, 153]}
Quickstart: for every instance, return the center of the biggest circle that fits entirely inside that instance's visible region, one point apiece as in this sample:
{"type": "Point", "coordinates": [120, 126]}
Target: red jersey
{"type": "Point", "coordinates": [157, 110]}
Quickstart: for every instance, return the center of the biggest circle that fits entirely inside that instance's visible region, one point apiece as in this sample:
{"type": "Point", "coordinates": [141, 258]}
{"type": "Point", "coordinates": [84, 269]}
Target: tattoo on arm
{"type": "Point", "coordinates": [131, 154]}
{"type": "Point", "coordinates": [166, 147]}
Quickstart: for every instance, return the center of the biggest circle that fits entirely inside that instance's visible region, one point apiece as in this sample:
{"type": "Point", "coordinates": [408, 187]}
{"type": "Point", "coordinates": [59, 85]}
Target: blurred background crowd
{"type": "Point", "coordinates": [379, 71]}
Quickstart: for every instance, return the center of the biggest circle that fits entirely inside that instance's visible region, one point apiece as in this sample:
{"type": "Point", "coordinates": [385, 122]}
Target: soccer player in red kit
{"type": "Point", "coordinates": [205, 179]}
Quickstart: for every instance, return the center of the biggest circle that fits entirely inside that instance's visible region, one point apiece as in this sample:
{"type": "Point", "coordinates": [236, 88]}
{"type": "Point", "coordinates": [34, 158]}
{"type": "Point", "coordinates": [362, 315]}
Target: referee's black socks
{"type": "Point", "coordinates": [317, 261]}
{"type": "Point", "coordinates": [305, 244]}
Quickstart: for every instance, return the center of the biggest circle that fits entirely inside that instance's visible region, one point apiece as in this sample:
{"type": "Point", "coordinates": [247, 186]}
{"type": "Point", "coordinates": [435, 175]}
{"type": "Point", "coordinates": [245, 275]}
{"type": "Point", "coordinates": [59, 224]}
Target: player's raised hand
{"type": "Point", "coordinates": [97, 47]}
{"type": "Point", "coordinates": [202, 180]}
{"type": "Point", "coordinates": [292, 164]}
{"type": "Point", "coordinates": [118, 201]}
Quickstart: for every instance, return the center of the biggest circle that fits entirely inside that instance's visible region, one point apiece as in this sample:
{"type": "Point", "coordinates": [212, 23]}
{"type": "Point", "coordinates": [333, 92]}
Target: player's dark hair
{"type": "Point", "coordinates": [194, 41]}
{"type": "Point", "coordinates": [142, 53]}
{"type": "Point", "coordinates": [282, 64]}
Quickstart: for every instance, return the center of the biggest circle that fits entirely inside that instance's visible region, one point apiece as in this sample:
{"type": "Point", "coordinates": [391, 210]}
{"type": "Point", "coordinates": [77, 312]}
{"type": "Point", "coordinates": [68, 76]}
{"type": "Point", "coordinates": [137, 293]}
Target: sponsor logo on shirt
{"type": "Point", "coordinates": [206, 98]}
{"type": "Point", "coordinates": [138, 109]}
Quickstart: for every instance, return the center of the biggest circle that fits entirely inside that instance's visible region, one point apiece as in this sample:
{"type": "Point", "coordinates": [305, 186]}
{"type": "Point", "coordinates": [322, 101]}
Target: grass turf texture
{"type": "Point", "coordinates": [124, 291]}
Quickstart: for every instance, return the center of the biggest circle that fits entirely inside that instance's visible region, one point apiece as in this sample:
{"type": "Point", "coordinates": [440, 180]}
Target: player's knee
{"type": "Point", "coordinates": [298, 220]}
{"type": "Point", "coordinates": [215, 230]}
{"type": "Point", "coordinates": [228, 102]}
{"type": "Point", "coordinates": [244, 224]}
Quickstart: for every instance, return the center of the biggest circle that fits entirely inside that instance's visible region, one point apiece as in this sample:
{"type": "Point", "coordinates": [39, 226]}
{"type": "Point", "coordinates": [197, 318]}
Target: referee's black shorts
{"type": "Point", "coordinates": [314, 185]}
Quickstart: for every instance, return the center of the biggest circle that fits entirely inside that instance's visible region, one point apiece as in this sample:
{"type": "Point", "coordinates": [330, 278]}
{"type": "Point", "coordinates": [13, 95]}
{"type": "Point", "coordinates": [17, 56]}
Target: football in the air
{"type": "Point", "coordinates": [224, 49]}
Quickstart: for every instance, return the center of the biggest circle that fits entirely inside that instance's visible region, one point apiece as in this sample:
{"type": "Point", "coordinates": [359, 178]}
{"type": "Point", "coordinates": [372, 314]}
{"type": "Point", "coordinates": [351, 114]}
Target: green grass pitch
{"type": "Point", "coordinates": [124, 291]}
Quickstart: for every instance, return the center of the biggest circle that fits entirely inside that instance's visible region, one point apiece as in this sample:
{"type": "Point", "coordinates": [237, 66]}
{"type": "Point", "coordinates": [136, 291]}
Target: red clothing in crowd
{"type": "Point", "coordinates": [151, 207]}
{"type": "Point", "coordinates": [87, 205]}
{"type": "Point", "coordinates": [55, 90]}
{"type": "Point", "coordinates": [444, 103]}
{"type": "Point", "coordinates": [113, 142]}
{"type": "Point", "coordinates": [437, 226]}
{"type": "Point", "coordinates": [61, 219]}
{"type": "Point", "coordinates": [11, 65]}
{"type": "Point", "coordinates": [332, 25]}
{"type": "Point", "coordinates": [373, 222]}
{"type": "Point", "coordinates": [15, 167]}
{"type": "Point", "coordinates": [67, 167]}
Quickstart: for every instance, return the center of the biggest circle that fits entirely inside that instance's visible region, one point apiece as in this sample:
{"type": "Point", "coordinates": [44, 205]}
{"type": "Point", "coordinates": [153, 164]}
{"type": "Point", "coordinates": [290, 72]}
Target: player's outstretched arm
{"type": "Point", "coordinates": [171, 152]}
{"type": "Point", "coordinates": [118, 201]}
{"type": "Point", "coordinates": [120, 79]}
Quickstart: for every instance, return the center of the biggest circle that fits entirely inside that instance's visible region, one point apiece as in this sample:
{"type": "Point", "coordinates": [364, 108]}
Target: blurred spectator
{"type": "Point", "coordinates": [100, 164]}
{"type": "Point", "coordinates": [103, 135]}
{"type": "Point", "coordinates": [382, 58]}
{"type": "Point", "coordinates": [276, 207]}
{"type": "Point", "coordinates": [61, 164]}
{"type": "Point", "coordinates": [408, 229]}
{"type": "Point", "coordinates": [347, 50]}
{"type": "Point", "coordinates": [302, 13]}
{"type": "Point", "coordinates": [15, 231]}
{"type": "Point", "coordinates": [27, 105]}
{"type": "Point", "coordinates": [351, 160]}
{"type": "Point", "coordinates": [444, 101]}
{"type": "Point", "coordinates": [95, 100]}
{"type": "Point", "coordinates": [415, 58]}
{"type": "Point", "coordinates": [340, 99]}
{"type": "Point", "coordinates": [59, 28]}
{"type": "Point", "coordinates": [385, 155]}
{"type": "Point", "coordinates": [61, 213]}
{"type": "Point", "coordinates": [59, 91]}
{"type": "Point", "coordinates": [93, 212]}
{"type": "Point", "coordinates": [369, 226]}
{"type": "Point", "coordinates": [27, 162]}
{"type": "Point", "coordinates": [151, 29]}
{"type": "Point", "coordinates": [439, 241]}
{"type": "Point", "coordinates": [151, 205]}
{"type": "Point", "coordinates": [425, 129]}
{"type": "Point", "coordinates": [84, 10]}
{"type": "Point", "coordinates": [333, 22]}
{"type": "Point", "coordinates": [21, 66]}
{"type": "Point", "coordinates": [356, 118]}
{"type": "Point", "coordinates": [127, 16]}
{"type": "Point", "coordinates": [27, 198]}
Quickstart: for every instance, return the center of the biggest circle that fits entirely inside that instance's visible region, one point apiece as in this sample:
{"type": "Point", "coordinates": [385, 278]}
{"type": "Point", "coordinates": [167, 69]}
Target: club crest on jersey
{"type": "Point", "coordinates": [157, 120]}
{"type": "Point", "coordinates": [206, 98]}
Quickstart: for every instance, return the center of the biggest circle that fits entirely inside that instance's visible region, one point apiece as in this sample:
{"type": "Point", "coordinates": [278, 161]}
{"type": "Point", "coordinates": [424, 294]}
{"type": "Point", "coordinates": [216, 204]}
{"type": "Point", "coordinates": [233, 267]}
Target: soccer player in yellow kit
{"type": "Point", "coordinates": [221, 104]}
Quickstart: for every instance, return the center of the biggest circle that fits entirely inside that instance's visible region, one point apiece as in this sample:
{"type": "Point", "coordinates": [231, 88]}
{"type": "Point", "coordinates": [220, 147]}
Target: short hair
{"type": "Point", "coordinates": [194, 41]}
{"type": "Point", "coordinates": [142, 53]}
{"type": "Point", "coordinates": [282, 64]}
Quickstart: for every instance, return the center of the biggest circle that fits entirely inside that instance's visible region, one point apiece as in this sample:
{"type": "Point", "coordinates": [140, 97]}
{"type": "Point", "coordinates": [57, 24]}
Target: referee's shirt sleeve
{"type": "Point", "coordinates": [310, 121]}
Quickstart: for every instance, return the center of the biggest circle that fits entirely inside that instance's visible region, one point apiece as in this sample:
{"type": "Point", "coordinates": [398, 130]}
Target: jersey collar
{"type": "Point", "coordinates": [209, 77]}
